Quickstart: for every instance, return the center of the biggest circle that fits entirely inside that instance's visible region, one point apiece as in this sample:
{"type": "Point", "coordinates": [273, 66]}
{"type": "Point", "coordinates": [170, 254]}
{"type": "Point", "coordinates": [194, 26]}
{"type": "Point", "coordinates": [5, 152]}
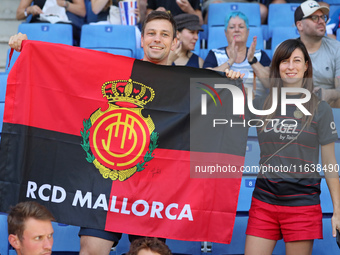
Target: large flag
{"type": "Point", "coordinates": [114, 143]}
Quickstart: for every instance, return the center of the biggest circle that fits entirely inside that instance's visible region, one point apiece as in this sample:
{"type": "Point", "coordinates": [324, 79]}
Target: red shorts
{"type": "Point", "coordinates": [293, 223]}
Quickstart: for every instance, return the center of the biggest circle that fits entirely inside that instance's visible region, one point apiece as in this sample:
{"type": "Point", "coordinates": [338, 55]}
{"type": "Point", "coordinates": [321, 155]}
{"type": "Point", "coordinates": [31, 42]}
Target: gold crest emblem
{"type": "Point", "coordinates": [120, 140]}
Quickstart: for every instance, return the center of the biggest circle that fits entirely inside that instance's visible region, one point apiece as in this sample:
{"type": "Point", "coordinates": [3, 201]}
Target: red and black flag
{"type": "Point", "coordinates": [107, 142]}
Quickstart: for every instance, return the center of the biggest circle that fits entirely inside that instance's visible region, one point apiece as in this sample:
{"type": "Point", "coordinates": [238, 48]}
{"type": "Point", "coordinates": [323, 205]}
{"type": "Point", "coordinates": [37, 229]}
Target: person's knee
{"type": "Point", "coordinates": [90, 245]}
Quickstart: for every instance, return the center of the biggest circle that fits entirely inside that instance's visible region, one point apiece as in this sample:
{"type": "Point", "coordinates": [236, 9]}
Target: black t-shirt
{"type": "Point", "coordinates": [172, 6]}
{"type": "Point", "coordinates": [291, 177]}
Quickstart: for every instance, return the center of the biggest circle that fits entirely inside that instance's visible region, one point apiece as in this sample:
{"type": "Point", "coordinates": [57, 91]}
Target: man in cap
{"type": "Point", "coordinates": [310, 20]}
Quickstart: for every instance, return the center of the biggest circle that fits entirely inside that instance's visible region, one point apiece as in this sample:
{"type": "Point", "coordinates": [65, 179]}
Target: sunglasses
{"type": "Point", "coordinates": [315, 18]}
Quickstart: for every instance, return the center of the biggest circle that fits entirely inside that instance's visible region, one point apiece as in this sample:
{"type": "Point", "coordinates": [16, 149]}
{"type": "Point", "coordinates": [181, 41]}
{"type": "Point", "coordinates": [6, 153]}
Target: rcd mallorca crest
{"type": "Point", "coordinates": [119, 141]}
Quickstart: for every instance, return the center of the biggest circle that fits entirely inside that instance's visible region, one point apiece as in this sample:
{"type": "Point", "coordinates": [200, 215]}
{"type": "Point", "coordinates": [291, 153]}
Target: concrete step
{"type": "Point", "coordinates": [8, 9]}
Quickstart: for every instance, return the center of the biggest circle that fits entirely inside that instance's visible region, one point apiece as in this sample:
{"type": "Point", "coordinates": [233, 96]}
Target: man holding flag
{"type": "Point", "coordinates": [158, 38]}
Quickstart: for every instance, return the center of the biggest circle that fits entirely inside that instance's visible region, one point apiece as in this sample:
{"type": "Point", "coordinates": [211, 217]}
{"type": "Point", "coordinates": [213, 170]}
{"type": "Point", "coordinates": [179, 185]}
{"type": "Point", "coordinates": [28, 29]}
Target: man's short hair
{"type": "Point", "coordinates": [307, 8]}
{"type": "Point", "coordinates": [20, 213]}
{"type": "Point", "coordinates": [149, 243]}
{"type": "Point", "coordinates": [154, 15]}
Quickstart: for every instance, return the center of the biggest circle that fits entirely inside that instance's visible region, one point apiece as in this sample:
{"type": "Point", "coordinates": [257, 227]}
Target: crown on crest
{"type": "Point", "coordinates": [127, 91]}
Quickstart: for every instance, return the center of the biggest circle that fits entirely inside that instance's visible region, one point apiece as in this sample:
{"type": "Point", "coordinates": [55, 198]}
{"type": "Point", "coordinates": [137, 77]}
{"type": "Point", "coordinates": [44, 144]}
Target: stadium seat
{"type": "Point", "coordinates": [184, 247]}
{"type": "Point", "coordinates": [115, 39]}
{"type": "Point", "coordinates": [3, 85]}
{"type": "Point", "coordinates": [338, 34]}
{"type": "Point", "coordinates": [281, 34]}
{"type": "Point", "coordinates": [252, 157]}
{"type": "Point", "coordinates": [280, 15]}
{"type": "Point", "coordinates": [4, 246]}
{"type": "Point", "coordinates": [47, 32]}
{"type": "Point", "coordinates": [246, 192]}
{"type": "Point", "coordinates": [327, 245]}
{"type": "Point", "coordinates": [218, 11]}
{"type": "Point", "coordinates": [66, 238]}
{"type": "Point", "coordinates": [332, 2]}
{"type": "Point", "coordinates": [217, 39]}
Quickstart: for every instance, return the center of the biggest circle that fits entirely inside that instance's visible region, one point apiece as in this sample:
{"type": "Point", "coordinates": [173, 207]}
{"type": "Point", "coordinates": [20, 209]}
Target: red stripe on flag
{"type": "Point", "coordinates": [54, 93]}
{"type": "Point", "coordinates": [157, 184]}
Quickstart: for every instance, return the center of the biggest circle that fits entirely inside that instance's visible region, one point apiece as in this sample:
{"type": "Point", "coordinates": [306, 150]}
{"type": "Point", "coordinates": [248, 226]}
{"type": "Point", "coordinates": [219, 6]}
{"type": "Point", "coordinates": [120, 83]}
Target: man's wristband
{"type": "Point", "coordinates": [253, 61]}
{"type": "Point", "coordinates": [25, 12]}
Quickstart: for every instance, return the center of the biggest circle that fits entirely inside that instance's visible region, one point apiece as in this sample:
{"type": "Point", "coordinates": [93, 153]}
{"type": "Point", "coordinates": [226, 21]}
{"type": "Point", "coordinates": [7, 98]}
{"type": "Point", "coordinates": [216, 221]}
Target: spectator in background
{"type": "Point", "coordinates": [310, 20]}
{"type": "Point", "coordinates": [333, 24]}
{"type": "Point", "coordinates": [148, 246]}
{"type": "Point", "coordinates": [176, 7]}
{"type": "Point", "coordinates": [238, 57]}
{"type": "Point", "coordinates": [102, 9]}
{"type": "Point", "coordinates": [263, 8]}
{"type": "Point", "coordinates": [30, 231]}
{"type": "Point", "coordinates": [75, 11]}
{"type": "Point", "coordinates": [187, 36]}
{"type": "Point", "coordinates": [286, 203]}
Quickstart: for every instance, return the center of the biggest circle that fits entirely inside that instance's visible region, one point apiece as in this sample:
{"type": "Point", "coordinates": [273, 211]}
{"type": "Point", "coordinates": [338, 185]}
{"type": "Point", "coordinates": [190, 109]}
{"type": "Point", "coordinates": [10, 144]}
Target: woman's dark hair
{"type": "Point", "coordinates": [284, 51]}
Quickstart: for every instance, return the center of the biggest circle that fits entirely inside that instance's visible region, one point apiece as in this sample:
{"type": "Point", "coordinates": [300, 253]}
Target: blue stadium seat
{"type": "Point", "coordinates": [218, 11]}
{"type": "Point", "coordinates": [66, 238]}
{"type": "Point", "coordinates": [252, 157]}
{"type": "Point", "coordinates": [338, 34]}
{"type": "Point", "coordinates": [332, 2]}
{"type": "Point", "coordinates": [325, 197]}
{"type": "Point", "coordinates": [281, 34]}
{"type": "Point", "coordinates": [47, 32]}
{"type": "Point", "coordinates": [217, 39]}
{"type": "Point", "coordinates": [3, 85]}
{"type": "Point", "coordinates": [328, 244]}
{"type": "Point", "coordinates": [116, 39]}
{"type": "Point", "coordinates": [4, 245]}
{"type": "Point", "coordinates": [246, 192]}
{"type": "Point", "coordinates": [281, 15]}
{"type": "Point", "coordinates": [184, 247]}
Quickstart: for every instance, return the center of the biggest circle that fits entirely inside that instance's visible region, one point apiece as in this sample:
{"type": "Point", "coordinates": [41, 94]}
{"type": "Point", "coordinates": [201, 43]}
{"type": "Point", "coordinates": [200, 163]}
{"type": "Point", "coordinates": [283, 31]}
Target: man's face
{"type": "Point", "coordinates": [37, 238]}
{"type": "Point", "coordinates": [313, 29]}
{"type": "Point", "coordinates": [157, 41]}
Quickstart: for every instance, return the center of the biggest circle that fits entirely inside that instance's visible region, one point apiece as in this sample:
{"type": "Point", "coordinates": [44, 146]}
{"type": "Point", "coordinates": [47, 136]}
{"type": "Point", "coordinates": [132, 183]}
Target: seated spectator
{"type": "Point", "coordinates": [187, 36]}
{"type": "Point", "coordinates": [238, 57]}
{"type": "Point", "coordinates": [263, 8]}
{"type": "Point", "coordinates": [75, 11]}
{"type": "Point", "coordinates": [310, 20]}
{"type": "Point", "coordinates": [148, 246]}
{"type": "Point", "coordinates": [176, 7]}
{"type": "Point", "coordinates": [29, 229]}
{"type": "Point", "coordinates": [102, 9]}
{"type": "Point", "coordinates": [333, 24]}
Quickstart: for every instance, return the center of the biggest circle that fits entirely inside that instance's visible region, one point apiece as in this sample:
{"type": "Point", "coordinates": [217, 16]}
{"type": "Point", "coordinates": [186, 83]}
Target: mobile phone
{"type": "Point", "coordinates": [338, 238]}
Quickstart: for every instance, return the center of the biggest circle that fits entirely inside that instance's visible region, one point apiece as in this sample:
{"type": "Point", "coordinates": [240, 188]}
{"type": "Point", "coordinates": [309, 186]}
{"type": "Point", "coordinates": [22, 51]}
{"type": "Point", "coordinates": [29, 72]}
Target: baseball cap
{"type": "Point", "coordinates": [188, 21]}
{"type": "Point", "coordinates": [307, 8]}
